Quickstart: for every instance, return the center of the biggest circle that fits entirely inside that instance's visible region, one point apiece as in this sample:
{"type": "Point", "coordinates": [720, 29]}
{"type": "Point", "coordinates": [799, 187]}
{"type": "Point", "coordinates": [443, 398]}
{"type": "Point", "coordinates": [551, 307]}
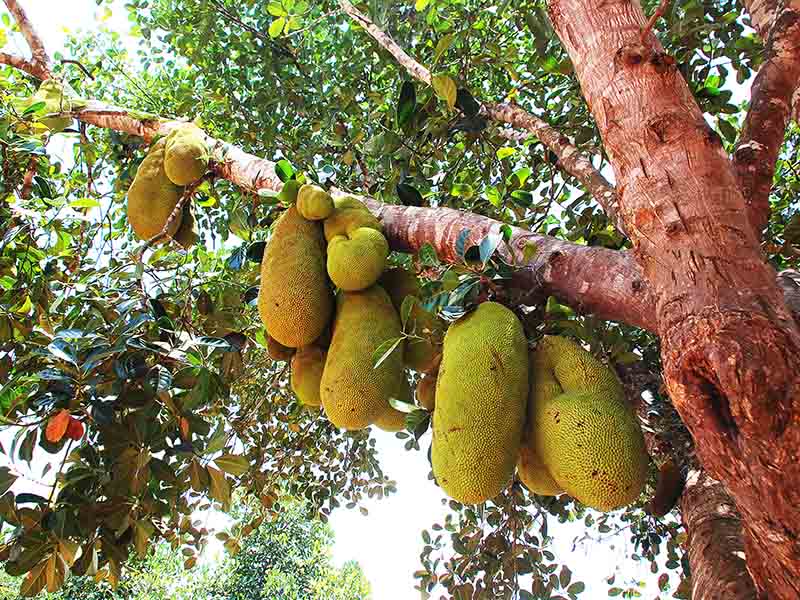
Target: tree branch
{"type": "Point", "coordinates": [572, 160]}
{"type": "Point", "coordinates": [40, 59]}
{"type": "Point", "coordinates": [770, 111]}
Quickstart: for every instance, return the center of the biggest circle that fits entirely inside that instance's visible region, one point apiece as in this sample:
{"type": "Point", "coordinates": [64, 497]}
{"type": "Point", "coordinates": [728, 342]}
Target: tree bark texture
{"type": "Point", "coordinates": [730, 349]}
{"type": "Point", "coordinates": [715, 548]}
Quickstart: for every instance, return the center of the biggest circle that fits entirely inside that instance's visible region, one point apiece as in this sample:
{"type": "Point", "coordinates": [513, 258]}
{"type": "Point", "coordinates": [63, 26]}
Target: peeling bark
{"type": "Point", "coordinates": [715, 548]}
{"type": "Point", "coordinates": [730, 349]}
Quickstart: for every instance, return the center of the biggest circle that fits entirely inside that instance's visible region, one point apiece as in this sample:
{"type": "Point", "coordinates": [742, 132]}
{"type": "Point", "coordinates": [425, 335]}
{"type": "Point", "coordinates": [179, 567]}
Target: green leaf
{"type": "Point", "coordinates": [232, 464]}
{"type": "Point", "coordinates": [385, 350]}
{"type": "Point", "coordinates": [445, 89]}
{"type": "Point", "coordinates": [505, 152]}
{"type": "Point", "coordinates": [276, 27]}
{"type": "Point", "coordinates": [276, 9]}
{"type": "Point", "coordinates": [7, 479]}
{"type": "Point", "coordinates": [421, 5]}
{"type": "Point", "coordinates": [406, 103]}
{"type": "Point", "coordinates": [405, 312]}
{"type": "Point", "coordinates": [529, 251]}
{"type": "Point", "coordinates": [441, 47]}
{"type": "Point", "coordinates": [462, 190]}
{"type": "Point", "coordinates": [84, 203]}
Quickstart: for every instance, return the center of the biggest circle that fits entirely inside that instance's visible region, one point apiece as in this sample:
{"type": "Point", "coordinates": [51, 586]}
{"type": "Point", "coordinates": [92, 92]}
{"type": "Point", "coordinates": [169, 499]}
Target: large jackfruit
{"type": "Point", "coordinates": [391, 419]}
{"type": "Point", "coordinates": [294, 299]}
{"type": "Point", "coordinates": [587, 437]}
{"type": "Point", "coordinates": [357, 250]}
{"type": "Point", "coordinates": [307, 366]}
{"type": "Point", "coordinates": [278, 351]}
{"type": "Point", "coordinates": [534, 474]}
{"type": "Point", "coordinates": [314, 203]}
{"type": "Point", "coordinates": [152, 196]}
{"type": "Point", "coordinates": [354, 393]}
{"type": "Point", "coordinates": [481, 393]}
{"type": "Point", "coordinates": [186, 154]}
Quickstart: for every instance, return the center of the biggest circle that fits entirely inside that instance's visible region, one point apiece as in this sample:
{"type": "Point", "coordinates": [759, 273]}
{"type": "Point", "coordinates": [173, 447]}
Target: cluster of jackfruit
{"type": "Point", "coordinates": [172, 163]}
{"type": "Point", "coordinates": [327, 305]}
{"type": "Point", "coordinates": [581, 437]}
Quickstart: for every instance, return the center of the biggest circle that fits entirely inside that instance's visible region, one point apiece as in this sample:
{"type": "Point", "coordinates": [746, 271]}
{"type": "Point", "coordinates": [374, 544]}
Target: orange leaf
{"type": "Point", "coordinates": [183, 423]}
{"type": "Point", "coordinates": [57, 426]}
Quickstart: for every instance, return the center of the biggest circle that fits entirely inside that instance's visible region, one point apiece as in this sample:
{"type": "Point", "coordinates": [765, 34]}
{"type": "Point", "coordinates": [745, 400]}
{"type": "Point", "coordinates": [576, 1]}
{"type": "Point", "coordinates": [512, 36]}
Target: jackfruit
{"type": "Point", "coordinates": [481, 392]}
{"type": "Point", "coordinates": [348, 215]}
{"type": "Point", "coordinates": [278, 351]}
{"type": "Point", "coordinates": [354, 393]}
{"type": "Point", "coordinates": [391, 419]}
{"type": "Point", "coordinates": [534, 474]}
{"type": "Point", "coordinates": [186, 235]}
{"type": "Point", "coordinates": [314, 203]}
{"type": "Point", "coordinates": [186, 154]}
{"type": "Point", "coordinates": [426, 392]}
{"type": "Point", "coordinates": [356, 261]}
{"type": "Point", "coordinates": [587, 437]}
{"type": "Point", "coordinates": [399, 283]}
{"type": "Point", "coordinates": [294, 300]}
{"type": "Point", "coordinates": [307, 366]}
{"type": "Point", "coordinates": [57, 98]}
{"type": "Point", "coordinates": [152, 196]}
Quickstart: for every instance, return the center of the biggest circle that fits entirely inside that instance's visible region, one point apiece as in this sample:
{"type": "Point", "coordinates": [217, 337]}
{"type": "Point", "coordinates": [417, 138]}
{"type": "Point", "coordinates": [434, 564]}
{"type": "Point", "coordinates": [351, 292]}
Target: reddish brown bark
{"type": "Point", "coordinates": [39, 65]}
{"type": "Point", "coordinates": [729, 346]}
{"type": "Point", "coordinates": [715, 548]}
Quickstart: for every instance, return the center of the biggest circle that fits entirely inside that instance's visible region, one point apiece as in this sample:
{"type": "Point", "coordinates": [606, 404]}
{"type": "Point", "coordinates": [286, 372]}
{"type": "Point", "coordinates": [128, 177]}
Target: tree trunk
{"type": "Point", "coordinates": [730, 349]}
{"type": "Point", "coordinates": [715, 547]}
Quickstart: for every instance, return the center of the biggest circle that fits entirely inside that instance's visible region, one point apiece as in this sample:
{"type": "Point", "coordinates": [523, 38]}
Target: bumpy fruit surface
{"type": "Point", "coordinates": [354, 393]}
{"type": "Point", "coordinates": [278, 351]}
{"type": "Point", "coordinates": [481, 392]}
{"type": "Point", "coordinates": [152, 196]}
{"type": "Point", "coordinates": [356, 261]}
{"type": "Point", "coordinates": [534, 474]}
{"type": "Point", "coordinates": [294, 298]}
{"type": "Point", "coordinates": [186, 154]}
{"type": "Point", "coordinates": [307, 366]}
{"type": "Point", "coordinates": [348, 215]}
{"type": "Point", "coordinates": [587, 437]}
{"type": "Point", "coordinates": [314, 203]}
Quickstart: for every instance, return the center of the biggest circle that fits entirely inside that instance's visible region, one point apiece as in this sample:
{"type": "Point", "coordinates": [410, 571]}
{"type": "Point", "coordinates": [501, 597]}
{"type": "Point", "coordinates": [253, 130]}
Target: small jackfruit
{"type": "Point", "coordinates": [314, 203]}
{"type": "Point", "coordinates": [481, 393]}
{"type": "Point", "coordinates": [348, 215]}
{"type": "Point", "coordinates": [354, 393]}
{"type": "Point", "coordinates": [587, 436]}
{"type": "Point", "coordinates": [534, 474]}
{"type": "Point", "coordinates": [278, 351]}
{"type": "Point", "coordinates": [152, 196]}
{"type": "Point", "coordinates": [357, 260]}
{"type": "Point", "coordinates": [307, 366]}
{"type": "Point", "coordinates": [294, 300]}
{"type": "Point", "coordinates": [186, 154]}
{"type": "Point", "coordinates": [57, 98]}
{"type": "Point", "coordinates": [186, 235]}
{"type": "Point", "coordinates": [426, 391]}
{"type": "Point", "coordinates": [399, 283]}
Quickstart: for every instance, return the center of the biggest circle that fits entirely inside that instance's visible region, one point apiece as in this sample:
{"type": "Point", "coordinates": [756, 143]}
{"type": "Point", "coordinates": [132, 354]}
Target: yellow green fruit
{"type": "Point", "coordinates": [57, 98]}
{"type": "Point", "coordinates": [278, 351]}
{"type": "Point", "coordinates": [186, 235]}
{"type": "Point", "coordinates": [426, 392]}
{"type": "Point", "coordinates": [391, 419]}
{"type": "Point", "coordinates": [152, 196]}
{"type": "Point", "coordinates": [354, 393]}
{"type": "Point", "coordinates": [307, 366]}
{"type": "Point", "coordinates": [294, 299]}
{"type": "Point", "coordinates": [314, 203]}
{"type": "Point", "coordinates": [399, 283]}
{"type": "Point", "coordinates": [587, 436]}
{"type": "Point", "coordinates": [356, 261]}
{"type": "Point", "coordinates": [348, 215]}
{"type": "Point", "coordinates": [481, 392]}
{"type": "Point", "coordinates": [534, 474]}
{"type": "Point", "coordinates": [186, 154]}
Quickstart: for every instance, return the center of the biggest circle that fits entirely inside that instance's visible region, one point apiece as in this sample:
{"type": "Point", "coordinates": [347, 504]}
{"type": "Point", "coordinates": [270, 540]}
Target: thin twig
{"type": "Point", "coordinates": [662, 8]}
{"type": "Point", "coordinates": [71, 61]}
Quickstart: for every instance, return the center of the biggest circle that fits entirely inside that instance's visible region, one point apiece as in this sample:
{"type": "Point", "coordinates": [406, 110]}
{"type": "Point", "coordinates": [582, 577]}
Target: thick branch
{"type": "Point", "coordinates": [39, 54]}
{"type": "Point", "coordinates": [24, 64]}
{"type": "Point", "coordinates": [572, 160]}
{"type": "Point", "coordinates": [762, 13]}
{"type": "Point", "coordinates": [770, 112]}
{"type": "Point", "coordinates": [715, 542]}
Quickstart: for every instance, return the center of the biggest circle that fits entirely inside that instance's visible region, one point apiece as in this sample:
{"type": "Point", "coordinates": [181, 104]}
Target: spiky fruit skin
{"type": "Point", "coordinates": [348, 215]}
{"type": "Point", "coordinates": [587, 437]}
{"type": "Point", "coordinates": [399, 283]}
{"type": "Point", "coordinates": [294, 300]}
{"type": "Point", "coordinates": [534, 474]}
{"type": "Point", "coordinates": [481, 393]}
{"type": "Point", "coordinates": [426, 392]}
{"type": "Point", "coordinates": [357, 260]}
{"type": "Point", "coordinates": [307, 366]}
{"type": "Point", "coordinates": [186, 155]}
{"type": "Point", "coordinates": [278, 351]}
{"type": "Point", "coordinates": [391, 420]}
{"type": "Point", "coordinates": [152, 196]}
{"type": "Point", "coordinates": [314, 203]}
{"type": "Point", "coordinates": [354, 393]}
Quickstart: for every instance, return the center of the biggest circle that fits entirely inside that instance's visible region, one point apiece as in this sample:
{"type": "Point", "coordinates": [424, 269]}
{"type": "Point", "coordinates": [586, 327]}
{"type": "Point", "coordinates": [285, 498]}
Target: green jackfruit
{"type": "Point", "coordinates": [356, 261]}
{"type": "Point", "coordinates": [481, 393]}
{"type": "Point", "coordinates": [391, 419]}
{"type": "Point", "coordinates": [186, 235]}
{"type": "Point", "coordinates": [307, 366]}
{"type": "Point", "coordinates": [399, 283]}
{"type": "Point", "coordinates": [278, 351]}
{"type": "Point", "coordinates": [294, 299]}
{"type": "Point", "coordinates": [354, 393]}
{"type": "Point", "coordinates": [534, 474]}
{"type": "Point", "coordinates": [57, 98]}
{"type": "Point", "coordinates": [348, 215]}
{"type": "Point", "coordinates": [426, 392]}
{"type": "Point", "coordinates": [152, 196]}
{"type": "Point", "coordinates": [587, 437]}
{"type": "Point", "coordinates": [314, 203]}
{"type": "Point", "coordinates": [186, 154]}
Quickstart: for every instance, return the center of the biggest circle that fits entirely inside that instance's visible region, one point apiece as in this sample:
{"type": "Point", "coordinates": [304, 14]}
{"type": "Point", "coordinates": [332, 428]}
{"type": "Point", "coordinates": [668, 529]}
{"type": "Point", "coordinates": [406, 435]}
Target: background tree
{"type": "Point", "coordinates": [162, 359]}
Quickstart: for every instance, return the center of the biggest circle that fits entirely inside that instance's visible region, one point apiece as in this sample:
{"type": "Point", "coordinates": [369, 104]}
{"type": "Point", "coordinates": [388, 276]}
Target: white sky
{"type": "Point", "coordinates": [387, 542]}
